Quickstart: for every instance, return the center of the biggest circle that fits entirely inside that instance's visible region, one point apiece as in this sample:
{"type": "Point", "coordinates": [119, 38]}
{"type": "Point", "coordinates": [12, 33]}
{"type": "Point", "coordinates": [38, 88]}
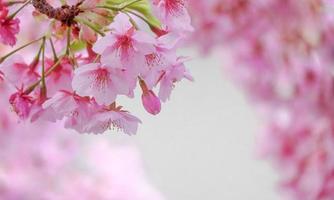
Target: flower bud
{"type": "Point", "coordinates": [151, 102]}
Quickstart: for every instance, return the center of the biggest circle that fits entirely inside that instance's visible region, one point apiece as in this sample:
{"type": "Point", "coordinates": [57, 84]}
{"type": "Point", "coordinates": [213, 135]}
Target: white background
{"type": "Point", "coordinates": [202, 145]}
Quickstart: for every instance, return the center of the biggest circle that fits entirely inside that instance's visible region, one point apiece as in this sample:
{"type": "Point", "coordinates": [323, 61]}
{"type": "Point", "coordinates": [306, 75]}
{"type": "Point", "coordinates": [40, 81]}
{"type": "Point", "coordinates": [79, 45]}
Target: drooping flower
{"type": "Point", "coordinates": [113, 119]}
{"type": "Point", "coordinates": [21, 104]}
{"type": "Point", "coordinates": [174, 73]}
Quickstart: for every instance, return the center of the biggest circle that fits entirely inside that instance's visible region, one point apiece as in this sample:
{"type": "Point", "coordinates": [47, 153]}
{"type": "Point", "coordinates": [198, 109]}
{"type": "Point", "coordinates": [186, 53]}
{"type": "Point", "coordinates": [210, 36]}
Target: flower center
{"type": "Point", "coordinates": [101, 78]}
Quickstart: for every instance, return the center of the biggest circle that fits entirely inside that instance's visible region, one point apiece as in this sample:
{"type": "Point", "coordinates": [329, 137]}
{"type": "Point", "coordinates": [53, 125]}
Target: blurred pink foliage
{"type": "Point", "coordinates": [282, 52]}
{"type": "Point", "coordinates": [42, 161]}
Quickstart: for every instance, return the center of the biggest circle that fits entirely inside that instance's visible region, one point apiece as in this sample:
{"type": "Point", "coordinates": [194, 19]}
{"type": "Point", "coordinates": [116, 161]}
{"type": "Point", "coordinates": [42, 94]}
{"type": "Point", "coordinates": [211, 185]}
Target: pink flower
{"type": "Point", "coordinates": [62, 104]}
{"type": "Point", "coordinates": [174, 73]}
{"type": "Point", "coordinates": [81, 116]}
{"type": "Point", "coordinates": [150, 101]}
{"type": "Point", "coordinates": [103, 55]}
{"type": "Point", "coordinates": [8, 27]}
{"type": "Point", "coordinates": [125, 43]}
{"type": "Point", "coordinates": [160, 60]}
{"type": "Point", "coordinates": [18, 73]}
{"type": "Point", "coordinates": [102, 82]}
{"type": "Point", "coordinates": [174, 14]}
{"type": "Point", "coordinates": [61, 78]}
{"type": "Point", "coordinates": [21, 104]}
{"type": "Point", "coordinates": [76, 110]}
{"type": "Point", "coordinates": [113, 119]}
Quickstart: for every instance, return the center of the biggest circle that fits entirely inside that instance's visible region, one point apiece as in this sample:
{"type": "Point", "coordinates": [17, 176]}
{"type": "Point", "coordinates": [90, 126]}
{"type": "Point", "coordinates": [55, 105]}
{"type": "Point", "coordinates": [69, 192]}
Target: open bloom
{"type": "Point", "coordinates": [18, 73]}
{"type": "Point", "coordinates": [100, 52]}
{"type": "Point", "coordinates": [174, 14]}
{"type": "Point", "coordinates": [76, 110]}
{"type": "Point", "coordinates": [62, 104]}
{"type": "Point", "coordinates": [102, 82]}
{"type": "Point", "coordinates": [174, 73]}
{"type": "Point", "coordinates": [125, 43]}
{"type": "Point", "coordinates": [113, 119]}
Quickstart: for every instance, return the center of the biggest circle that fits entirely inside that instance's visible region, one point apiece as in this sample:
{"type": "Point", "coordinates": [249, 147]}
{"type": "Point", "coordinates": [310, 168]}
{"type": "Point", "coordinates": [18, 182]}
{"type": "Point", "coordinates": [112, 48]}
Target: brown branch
{"type": "Point", "coordinates": [65, 13]}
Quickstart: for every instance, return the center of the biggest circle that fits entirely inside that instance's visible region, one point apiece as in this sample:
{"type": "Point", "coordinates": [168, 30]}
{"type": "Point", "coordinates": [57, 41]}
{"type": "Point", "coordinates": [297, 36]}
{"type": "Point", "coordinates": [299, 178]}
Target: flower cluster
{"type": "Point", "coordinates": [43, 161]}
{"type": "Point", "coordinates": [90, 53]}
{"type": "Point", "coordinates": [282, 55]}
{"type": "Point", "coordinates": [40, 161]}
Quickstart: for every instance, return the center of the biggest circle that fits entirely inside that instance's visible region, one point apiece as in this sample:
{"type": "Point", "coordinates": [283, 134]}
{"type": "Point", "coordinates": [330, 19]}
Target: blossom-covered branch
{"type": "Point", "coordinates": [98, 51]}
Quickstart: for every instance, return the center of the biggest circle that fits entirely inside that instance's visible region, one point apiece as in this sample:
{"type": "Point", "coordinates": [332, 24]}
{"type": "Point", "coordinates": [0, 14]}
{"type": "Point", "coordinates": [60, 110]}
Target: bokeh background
{"type": "Point", "coordinates": [202, 145]}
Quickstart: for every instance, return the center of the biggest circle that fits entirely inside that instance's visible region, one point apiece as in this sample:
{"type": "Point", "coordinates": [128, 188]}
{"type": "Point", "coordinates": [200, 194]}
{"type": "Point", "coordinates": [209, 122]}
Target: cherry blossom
{"type": "Point", "coordinates": [125, 43]}
{"type": "Point", "coordinates": [40, 161]}
{"type": "Point", "coordinates": [174, 73]}
{"type": "Point", "coordinates": [174, 14]}
{"type": "Point", "coordinates": [116, 119]}
{"type": "Point", "coordinates": [83, 57]}
{"type": "Point", "coordinates": [9, 26]}
{"type": "Point", "coordinates": [103, 83]}
{"type": "Point", "coordinates": [18, 73]}
{"type": "Point", "coordinates": [21, 104]}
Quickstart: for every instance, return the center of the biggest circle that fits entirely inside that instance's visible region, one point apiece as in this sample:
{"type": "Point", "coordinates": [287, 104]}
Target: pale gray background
{"type": "Point", "coordinates": [202, 145]}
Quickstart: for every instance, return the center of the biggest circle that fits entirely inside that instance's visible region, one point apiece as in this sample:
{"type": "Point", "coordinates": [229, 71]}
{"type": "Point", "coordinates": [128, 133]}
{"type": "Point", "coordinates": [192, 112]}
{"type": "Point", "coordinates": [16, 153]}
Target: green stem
{"type": "Point", "coordinates": [90, 25]}
{"type": "Point", "coordinates": [43, 66]}
{"type": "Point", "coordinates": [129, 4]}
{"type": "Point", "coordinates": [114, 8]}
{"type": "Point", "coordinates": [54, 66]}
{"type": "Point", "coordinates": [68, 46]}
{"type": "Point", "coordinates": [119, 7]}
{"type": "Point", "coordinates": [3, 58]}
{"type": "Point", "coordinates": [133, 22]}
{"type": "Point", "coordinates": [18, 10]}
{"type": "Point", "coordinates": [55, 57]}
{"type": "Point", "coordinates": [141, 17]}
{"type": "Point", "coordinates": [47, 73]}
{"type": "Point", "coordinates": [36, 59]}
{"type": "Point", "coordinates": [43, 87]}
{"type": "Point", "coordinates": [10, 3]}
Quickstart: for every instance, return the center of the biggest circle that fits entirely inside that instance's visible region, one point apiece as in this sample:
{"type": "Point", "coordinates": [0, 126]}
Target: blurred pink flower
{"type": "Point", "coordinates": [8, 27]}
{"type": "Point", "coordinates": [282, 53]}
{"type": "Point", "coordinates": [43, 161]}
{"type": "Point", "coordinates": [18, 73]}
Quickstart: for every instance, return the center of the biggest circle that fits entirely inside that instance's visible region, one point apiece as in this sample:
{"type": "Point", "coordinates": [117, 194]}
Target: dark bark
{"type": "Point", "coordinates": [65, 14]}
